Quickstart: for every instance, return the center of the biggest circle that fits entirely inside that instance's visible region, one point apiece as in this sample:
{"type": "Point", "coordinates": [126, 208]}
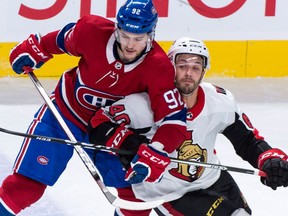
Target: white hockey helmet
{"type": "Point", "coordinates": [190, 46]}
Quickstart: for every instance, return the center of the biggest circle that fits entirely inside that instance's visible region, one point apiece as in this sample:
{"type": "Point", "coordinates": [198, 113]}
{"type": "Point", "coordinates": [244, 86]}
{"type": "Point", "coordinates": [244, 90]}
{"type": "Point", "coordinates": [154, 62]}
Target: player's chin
{"type": "Point", "coordinates": [186, 89]}
{"type": "Point", "coordinates": [131, 52]}
{"type": "Point", "coordinates": [130, 56]}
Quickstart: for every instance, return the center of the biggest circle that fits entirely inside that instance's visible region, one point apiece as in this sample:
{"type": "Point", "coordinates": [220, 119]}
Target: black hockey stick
{"type": "Point", "coordinates": [220, 167]}
{"type": "Point", "coordinates": [114, 200]}
{"type": "Point", "coordinates": [125, 152]}
{"type": "Point", "coordinates": [68, 142]}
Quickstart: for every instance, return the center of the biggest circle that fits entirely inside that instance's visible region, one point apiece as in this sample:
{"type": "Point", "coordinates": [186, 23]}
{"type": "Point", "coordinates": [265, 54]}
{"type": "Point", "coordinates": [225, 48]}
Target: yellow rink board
{"type": "Point", "coordinates": [228, 59]}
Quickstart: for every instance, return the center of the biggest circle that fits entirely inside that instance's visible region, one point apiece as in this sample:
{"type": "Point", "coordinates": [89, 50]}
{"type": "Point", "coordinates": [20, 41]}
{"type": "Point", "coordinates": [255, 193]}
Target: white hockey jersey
{"type": "Point", "coordinates": [214, 111]}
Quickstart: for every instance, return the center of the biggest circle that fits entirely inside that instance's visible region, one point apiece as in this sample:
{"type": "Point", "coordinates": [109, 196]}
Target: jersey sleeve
{"type": "Point", "coordinates": [61, 41]}
{"type": "Point", "coordinates": [166, 103]}
{"type": "Point", "coordinates": [75, 37]}
{"type": "Point", "coordinates": [54, 42]}
{"type": "Point", "coordinates": [244, 137]}
{"type": "Point", "coordinates": [66, 40]}
{"type": "Point", "coordinates": [134, 111]}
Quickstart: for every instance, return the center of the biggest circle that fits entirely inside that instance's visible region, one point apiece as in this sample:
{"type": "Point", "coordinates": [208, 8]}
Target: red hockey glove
{"type": "Point", "coordinates": [274, 163]}
{"type": "Point", "coordinates": [148, 165]}
{"type": "Point", "coordinates": [28, 53]}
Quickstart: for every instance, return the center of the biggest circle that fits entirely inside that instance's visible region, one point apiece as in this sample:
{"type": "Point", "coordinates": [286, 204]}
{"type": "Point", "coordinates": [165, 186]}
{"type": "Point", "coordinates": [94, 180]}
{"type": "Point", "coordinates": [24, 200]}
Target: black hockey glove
{"type": "Point", "coordinates": [117, 136]}
{"type": "Point", "coordinates": [274, 163]}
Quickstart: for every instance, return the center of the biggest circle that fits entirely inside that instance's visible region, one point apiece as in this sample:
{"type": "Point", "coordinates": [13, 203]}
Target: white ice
{"type": "Point", "coordinates": [265, 101]}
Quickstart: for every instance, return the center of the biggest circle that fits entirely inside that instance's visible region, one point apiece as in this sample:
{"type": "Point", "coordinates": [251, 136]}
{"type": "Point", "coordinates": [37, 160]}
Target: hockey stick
{"type": "Point", "coordinates": [114, 200]}
{"type": "Point", "coordinates": [122, 151]}
{"type": "Point", "coordinates": [68, 142]}
{"type": "Point", "coordinates": [220, 167]}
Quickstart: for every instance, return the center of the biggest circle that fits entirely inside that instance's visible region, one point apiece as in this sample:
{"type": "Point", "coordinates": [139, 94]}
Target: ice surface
{"type": "Point", "coordinates": [265, 101]}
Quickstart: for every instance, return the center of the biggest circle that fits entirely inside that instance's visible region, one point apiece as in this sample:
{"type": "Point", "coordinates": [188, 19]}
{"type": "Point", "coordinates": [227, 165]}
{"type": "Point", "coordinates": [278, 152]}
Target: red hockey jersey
{"type": "Point", "coordinates": [101, 78]}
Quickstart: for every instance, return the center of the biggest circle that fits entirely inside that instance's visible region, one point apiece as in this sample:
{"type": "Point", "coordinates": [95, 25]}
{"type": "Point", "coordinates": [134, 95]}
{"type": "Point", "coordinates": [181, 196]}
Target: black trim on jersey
{"type": "Point", "coordinates": [247, 146]}
{"type": "Point", "coordinates": [221, 199]}
{"type": "Point", "coordinates": [220, 89]}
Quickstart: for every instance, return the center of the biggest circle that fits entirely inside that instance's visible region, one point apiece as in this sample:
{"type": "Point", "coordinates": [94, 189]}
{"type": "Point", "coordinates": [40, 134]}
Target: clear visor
{"type": "Point", "coordinates": [193, 66]}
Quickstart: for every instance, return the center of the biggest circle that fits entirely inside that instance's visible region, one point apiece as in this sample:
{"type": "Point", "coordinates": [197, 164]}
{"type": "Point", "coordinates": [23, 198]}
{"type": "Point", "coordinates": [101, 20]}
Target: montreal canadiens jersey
{"type": "Point", "coordinates": [214, 111]}
{"type": "Point", "coordinates": [101, 78]}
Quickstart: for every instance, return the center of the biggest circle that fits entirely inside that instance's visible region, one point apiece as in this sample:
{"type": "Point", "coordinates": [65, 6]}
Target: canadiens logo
{"type": "Point", "coordinates": [91, 99]}
{"type": "Point", "coordinates": [42, 160]}
{"type": "Point", "coordinates": [193, 152]}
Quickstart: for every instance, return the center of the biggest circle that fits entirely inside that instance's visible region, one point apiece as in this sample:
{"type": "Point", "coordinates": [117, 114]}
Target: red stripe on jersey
{"type": "Point", "coordinates": [193, 112]}
{"type": "Point", "coordinates": [171, 210]}
{"type": "Point", "coordinates": [26, 141]}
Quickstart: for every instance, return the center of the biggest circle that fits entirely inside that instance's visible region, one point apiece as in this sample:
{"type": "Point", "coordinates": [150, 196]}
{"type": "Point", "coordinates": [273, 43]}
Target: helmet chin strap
{"type": "Point", "coordinates": [117, 35]}
{"type": "Point", "coordinates": [149, 45]}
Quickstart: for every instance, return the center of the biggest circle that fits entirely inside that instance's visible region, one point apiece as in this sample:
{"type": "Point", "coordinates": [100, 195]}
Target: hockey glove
{"type": "Point", "coordinates": [28, 53]}
{"type": "Point", "coordinates": [274, 163]}
{"type": "Point", "coordinates": [148, 165]}
{"type": "Point", "coordinates": [117, 136]}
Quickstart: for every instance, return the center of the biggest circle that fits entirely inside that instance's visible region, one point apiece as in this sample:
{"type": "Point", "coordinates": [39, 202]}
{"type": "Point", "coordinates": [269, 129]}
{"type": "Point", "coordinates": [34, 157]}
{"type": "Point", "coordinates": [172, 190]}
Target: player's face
{"type": "Point", "coordinates": [132, 45]}
{"type": "Point", "coordinates": [189, 72]}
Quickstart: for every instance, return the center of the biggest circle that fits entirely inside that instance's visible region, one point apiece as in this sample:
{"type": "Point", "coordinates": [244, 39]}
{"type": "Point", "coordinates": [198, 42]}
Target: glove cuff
{"type": "Point", "coordinates": [156, 157]}
{"type": "Point", "coordinates": [271, 153]}
{"type": "Point", "coordinates": [37, 52]}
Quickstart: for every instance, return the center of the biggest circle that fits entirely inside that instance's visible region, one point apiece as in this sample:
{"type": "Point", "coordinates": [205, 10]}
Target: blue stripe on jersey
{"type": "Point", "coordinates": [71, 111]}
{"type": "Point", "coordinates": [61, 36]}
{"type": "Point", "coordinates": [178, 116]}
{"type": "Point", "coordinates": [4, 211]}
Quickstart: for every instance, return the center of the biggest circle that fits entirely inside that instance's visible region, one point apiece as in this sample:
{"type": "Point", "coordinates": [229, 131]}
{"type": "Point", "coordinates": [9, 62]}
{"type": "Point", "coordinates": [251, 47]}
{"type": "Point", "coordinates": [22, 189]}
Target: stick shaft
{"type": "Point", "coordinates": [114, 200]}
{"type": "Point", "coordinates": [80, 151]}
{"type": "Point", "coordinates": [220, 167]}
{"type": "Point", "coordinates": [68, 142]}
{"type": "Point", "coordinates": [125, 152]}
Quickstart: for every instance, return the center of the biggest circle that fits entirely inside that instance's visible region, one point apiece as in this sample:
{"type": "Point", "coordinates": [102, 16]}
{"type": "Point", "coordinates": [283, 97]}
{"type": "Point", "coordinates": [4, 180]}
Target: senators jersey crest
{"type": "Point", "coordinates": [189, 151]}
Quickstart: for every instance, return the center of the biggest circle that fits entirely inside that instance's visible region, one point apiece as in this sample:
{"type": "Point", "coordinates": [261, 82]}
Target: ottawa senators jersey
{"type": "Point", "coordinates": [101, 78]}
{"type": "Point", "coordinates": [215, 112]}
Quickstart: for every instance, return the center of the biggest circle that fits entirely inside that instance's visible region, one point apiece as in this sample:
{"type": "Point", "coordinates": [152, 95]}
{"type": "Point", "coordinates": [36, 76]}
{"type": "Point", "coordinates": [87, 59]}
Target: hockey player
{"type": "Point", "coordinates": [191, 190]}
{"type": "Point", "coordinates": [115, 61]}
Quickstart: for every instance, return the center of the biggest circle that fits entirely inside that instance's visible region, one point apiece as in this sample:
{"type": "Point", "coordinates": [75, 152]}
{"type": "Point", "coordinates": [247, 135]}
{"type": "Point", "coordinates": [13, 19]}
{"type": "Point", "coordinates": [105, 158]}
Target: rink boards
{"type": "Point", "coordinates": [235, 58]}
